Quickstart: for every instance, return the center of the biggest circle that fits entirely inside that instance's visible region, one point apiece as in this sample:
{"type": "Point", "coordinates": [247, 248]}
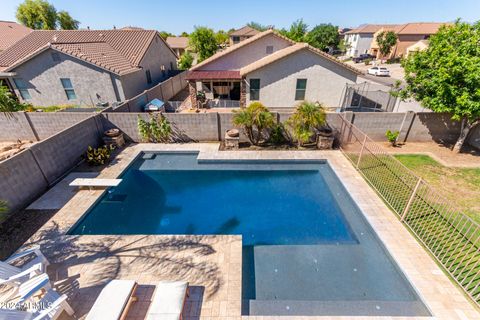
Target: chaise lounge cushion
{"type": "Point", "coordinates": [168, 299]}
{"type": "Point", "coordinates": [112, 300]}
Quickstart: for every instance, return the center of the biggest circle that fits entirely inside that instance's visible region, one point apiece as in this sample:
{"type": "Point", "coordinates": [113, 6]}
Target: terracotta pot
{"type": "Point", "coordinates": [234, 133]}
{"type": "Point", "coordinates": [112, 133]}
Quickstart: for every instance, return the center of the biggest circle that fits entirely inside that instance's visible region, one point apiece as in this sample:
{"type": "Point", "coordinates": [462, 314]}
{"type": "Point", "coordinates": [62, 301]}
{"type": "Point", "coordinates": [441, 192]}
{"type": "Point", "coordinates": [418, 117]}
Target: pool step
{"type": "Point", "coordinates": [336, 308]}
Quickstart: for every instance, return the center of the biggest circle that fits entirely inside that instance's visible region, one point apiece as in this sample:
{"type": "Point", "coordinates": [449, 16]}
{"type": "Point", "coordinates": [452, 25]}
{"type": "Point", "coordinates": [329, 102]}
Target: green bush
{"type": "Point", "coordinates": [367, 61]}
{"type": "Point", "coordinates": [392, 136]}
{"type": "Point", "coordinates": [157, 129]}
{"type": "Point", "coordinates": [306, 120]}
{"type": "Point", "coordinates": [99, 156]}
{"type": "Point", "coordinates": [278, 134]}
{"type": "Point", "coordinates": [255, 120]}
{"type": "Point", "coordinates": [3, 206]}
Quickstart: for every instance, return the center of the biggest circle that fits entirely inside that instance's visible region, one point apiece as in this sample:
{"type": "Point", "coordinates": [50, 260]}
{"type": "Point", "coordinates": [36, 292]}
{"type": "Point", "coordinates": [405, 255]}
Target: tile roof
{"type": "Point", "coordinates": [11, 32]}
{"type": "Point", "coordinates": [177, 42]}
{"type": "Point", "coordinates": [213, 75]}
{"type": "Point", "coordinates": [426, 28]}
{"type": "Point", "coordinates": [245, 31]}
{"type": "Point", "coordinates": [238, 46]}
{"type": "Point", "coordinates": [119, 51]}
{"type": "Point", "coordinates": [371, 28]}
{"type": "Point", "coordinates": [290, 50]}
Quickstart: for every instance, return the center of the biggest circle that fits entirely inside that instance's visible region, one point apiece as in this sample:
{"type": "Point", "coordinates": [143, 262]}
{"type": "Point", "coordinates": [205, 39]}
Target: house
{"type": "Point", "coordinates": [374, 48]}
{"type": "Point", "coordinates": [411, 33]}
{"type": "Point", "coordinates": [178, 44]}
{"type": "Point", "coordinates": [11, 32]}
{"type": "Point", "coordinates": [274, 70]}
{"type": "Point", "coordinates": [417, 46]}
{"type": "Point", "coordinates": [85, 67]}
{"type": "Point", "coordinates": [242, 34]}
{"type": "Point", "coordinates": [359, 40]}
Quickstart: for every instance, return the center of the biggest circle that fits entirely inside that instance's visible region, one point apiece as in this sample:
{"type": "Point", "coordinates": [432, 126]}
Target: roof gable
{"type": "Point", "coordinates": [119, 51]}
{"type": "Point", "coordinates": [244, 31]}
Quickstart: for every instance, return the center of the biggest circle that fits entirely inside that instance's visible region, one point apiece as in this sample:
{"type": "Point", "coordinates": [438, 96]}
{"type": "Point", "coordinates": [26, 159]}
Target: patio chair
{"type": "Point", "coordinates": [168, 300]}
{"type": "Point", "coordinates": [114, 301]}
{"type": "Point", "coordinates": [15, 276]}
{"type": "Point", "coordinates": [54, 303]}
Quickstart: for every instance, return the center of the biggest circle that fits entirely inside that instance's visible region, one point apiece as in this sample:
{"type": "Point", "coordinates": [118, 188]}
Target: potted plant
{"type": "Point", "coordinates": [306, 121]}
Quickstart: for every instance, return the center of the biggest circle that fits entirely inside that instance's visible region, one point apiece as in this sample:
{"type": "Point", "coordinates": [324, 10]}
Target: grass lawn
{"type": "Point", "coordinates": [461, 186]}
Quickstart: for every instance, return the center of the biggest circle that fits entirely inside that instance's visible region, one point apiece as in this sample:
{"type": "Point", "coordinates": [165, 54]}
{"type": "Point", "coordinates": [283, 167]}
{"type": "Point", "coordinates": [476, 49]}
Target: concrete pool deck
{"type": "Point", "coordinates": [81, 265]}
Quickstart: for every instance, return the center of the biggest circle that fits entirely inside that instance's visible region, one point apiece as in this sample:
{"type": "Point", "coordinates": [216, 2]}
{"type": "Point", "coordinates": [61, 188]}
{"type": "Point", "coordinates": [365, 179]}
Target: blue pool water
{"type": "Point", "coordinates": [307, 250]}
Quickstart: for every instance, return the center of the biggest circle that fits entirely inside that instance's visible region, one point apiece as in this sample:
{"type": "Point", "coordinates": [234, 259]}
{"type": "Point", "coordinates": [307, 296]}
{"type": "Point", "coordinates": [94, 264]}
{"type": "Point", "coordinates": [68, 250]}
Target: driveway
{"type": "Point", "coordinates": [396, 72]}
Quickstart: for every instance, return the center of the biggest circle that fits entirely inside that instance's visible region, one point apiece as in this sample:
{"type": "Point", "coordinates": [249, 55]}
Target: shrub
{"type": "Point", "coordinates": [367, 61]}
{"type": "Point", "coordinates": [8, 102]}
{"type": "Point", "coordinates": [3, 206]}
{"type": "Point", "coordinates": [157, 129]}
{"type": "Point", "coordinates": [185, 62]}
{"type": "Point", "coordinates": [278, 134]}
{"type": "Point", "coordinates": [392, 137]}
{"type": "Point", "coordinates": [255, 120]}
{"type": "Point", "coordinates": [99, 156]}
{"type": "Point", "coordinates": [306, 120]}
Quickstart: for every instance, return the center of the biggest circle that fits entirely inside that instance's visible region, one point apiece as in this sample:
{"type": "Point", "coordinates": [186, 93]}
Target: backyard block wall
{"type": "Point", "coordinates": [28, 174]}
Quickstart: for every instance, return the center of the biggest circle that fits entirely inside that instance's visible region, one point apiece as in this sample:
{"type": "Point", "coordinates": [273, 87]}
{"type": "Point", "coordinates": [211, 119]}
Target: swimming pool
{"type": "Point", "coordinates": [307, 249]}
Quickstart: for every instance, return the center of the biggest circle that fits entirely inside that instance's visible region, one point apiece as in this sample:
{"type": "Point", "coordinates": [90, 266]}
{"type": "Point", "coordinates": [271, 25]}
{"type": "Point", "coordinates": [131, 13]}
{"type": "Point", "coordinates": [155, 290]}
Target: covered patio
{"type": "Point", "coordinates": [221, 88]}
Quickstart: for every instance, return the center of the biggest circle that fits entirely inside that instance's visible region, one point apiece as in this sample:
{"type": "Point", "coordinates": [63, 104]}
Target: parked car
{"type": "Point", "coordinates": [363, 57]}
{"type": "Point", "coordinates": [379, 71]}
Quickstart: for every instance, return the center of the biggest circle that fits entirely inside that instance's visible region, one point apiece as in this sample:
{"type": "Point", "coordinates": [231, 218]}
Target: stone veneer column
{"type": "Point", "coordinates": [192, 89]}
{"type": "Point", "coordinates": [243, 92]}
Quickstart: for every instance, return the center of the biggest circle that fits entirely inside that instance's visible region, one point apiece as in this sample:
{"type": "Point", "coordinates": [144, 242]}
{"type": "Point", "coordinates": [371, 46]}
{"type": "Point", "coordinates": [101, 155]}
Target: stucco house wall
{"type": "Point", "coordinates": [325, 80]}
{"type": "Point", "coordinates": [42, 76]}
{"type": "Point", "coordinates": [247, 54]}
{"type": "Point", "coordinates": [158, 54]}
{"type": "Point", "coordinates": [360, 45]}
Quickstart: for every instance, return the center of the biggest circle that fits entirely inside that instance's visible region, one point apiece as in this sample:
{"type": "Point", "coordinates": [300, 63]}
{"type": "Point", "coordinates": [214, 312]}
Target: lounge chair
{"type": "Point", "coordinates": [15, 276]}
{"type": "Point", "coordinates": [114, 301]}
{"type": "Point", "coordinates": [168, 300]}
{"type": "Point", "coordinates": [54, 303]}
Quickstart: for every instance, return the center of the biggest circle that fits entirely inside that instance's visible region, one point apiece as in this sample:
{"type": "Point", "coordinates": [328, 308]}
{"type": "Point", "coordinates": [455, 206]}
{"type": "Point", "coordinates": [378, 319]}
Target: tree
{"type": "Point", "coordinates": [203, 41]}
{"type": "Point", "coordinates": [3, 206]}
{"type": "Point", "coordinates": [184, 34]}
{"type": "Point", "coordinates": [185, 62]}
{"type": "Point", "coordinates": [8, 102]}
{"type": "Point", "coordinates": [323, 36]}
{"type": "Point", "coordinates": [37, 14]}
{"type": "Point", "coordinates": [307, 118]}
{"type": "Point", "coordinates": [386, 40]}
{"type": "Point", "coordinates": [297, 31]}
{"type": "Point", "coordinates": [255, 120]}
{"type": "Point", "coordinates": [165, 35]}
{"type": "Point", "coordinates": [445, 76]}
{"type": "Point", "coordinates": [221, 37]}
{"type": "Point", "coordinates": [257, 26]}
{"type": "Point", "coordinates": [66, 22]}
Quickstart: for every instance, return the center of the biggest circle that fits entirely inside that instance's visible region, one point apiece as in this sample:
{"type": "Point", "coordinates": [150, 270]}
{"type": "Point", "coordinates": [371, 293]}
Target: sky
{"type": "Point", "coordinates": [176, 16]}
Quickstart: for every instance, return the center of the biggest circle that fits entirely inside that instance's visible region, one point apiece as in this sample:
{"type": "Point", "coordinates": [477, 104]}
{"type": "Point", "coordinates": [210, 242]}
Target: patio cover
{"type": "Point", "coordinates": [214, 75]}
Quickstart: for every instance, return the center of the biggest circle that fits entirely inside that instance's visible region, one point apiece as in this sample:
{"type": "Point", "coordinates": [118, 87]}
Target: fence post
{"type": "Point", "coordinates": [361, 150]}
{"type": "Point", "coordinates": [410, 200]}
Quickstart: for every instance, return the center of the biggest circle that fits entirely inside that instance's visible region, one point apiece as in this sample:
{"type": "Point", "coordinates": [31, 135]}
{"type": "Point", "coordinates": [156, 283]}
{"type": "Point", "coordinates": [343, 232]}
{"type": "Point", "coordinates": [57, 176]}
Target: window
{"type": "Point", "coordinates": [269, 49]}
{"type": "Point", "coordinates": [300, 89]}
{"type": "Point", "coordinates": [22, 88]}
{"type": "Point", "coordinates": [55, 56]}
{"type": "Point", "coordinates": [68, 87]}
{"type": "Point", "coordinates": [149, 76]}
{"type": "Point", "coordinates": [235, 39]}
{"type": "Point", "coordinates": [254, 89]}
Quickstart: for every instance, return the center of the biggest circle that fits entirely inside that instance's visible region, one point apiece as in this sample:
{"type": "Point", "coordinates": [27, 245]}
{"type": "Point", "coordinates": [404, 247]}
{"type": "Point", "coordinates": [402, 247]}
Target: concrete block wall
{"type": "Point", "coordinates": [428, 126]}
{"type": "Point", "coordinates": [15, 127]}
{"type": "Point", "coordinates": [194, 127]}
{"type": "Point", "coordinates": [47, 124]}
{"type": "Point", "coordinates": [28, 174]}
{"type": "Point", "coordinates": [375, 124]}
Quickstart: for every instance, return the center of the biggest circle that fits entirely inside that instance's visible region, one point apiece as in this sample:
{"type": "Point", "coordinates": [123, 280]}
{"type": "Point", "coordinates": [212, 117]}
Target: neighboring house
{"type": "Point", "coordinates": [178, 44]}
{"type": "Point", "coordinates": [358, 41]}
{"type": "Point", "coordinates": [242, 34]}
{"type": "Point", "coordinates": [274, 70]}
{"type": "Point", "coordinates": [374, 48]}
{"type": "Point", "coordinates": [85, 67]}
{"type": "Point", "coordinates": [411, 33]}
{"type": "Point", "coordinates": [417, 46]}
{"type": "Point", "coordinates": [11, 32]}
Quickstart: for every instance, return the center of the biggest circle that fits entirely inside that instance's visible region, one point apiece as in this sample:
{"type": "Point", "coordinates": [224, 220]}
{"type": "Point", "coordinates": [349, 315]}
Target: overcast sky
{"type": "Point", "coordinates": [183, 15]}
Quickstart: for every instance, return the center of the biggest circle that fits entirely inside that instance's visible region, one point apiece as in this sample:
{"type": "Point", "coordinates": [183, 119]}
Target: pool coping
{"type": "Point", "coordinates": [440, 295]}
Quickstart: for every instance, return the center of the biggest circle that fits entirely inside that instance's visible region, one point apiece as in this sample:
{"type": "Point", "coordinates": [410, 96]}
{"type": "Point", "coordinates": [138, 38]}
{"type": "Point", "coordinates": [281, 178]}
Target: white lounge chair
{"type": "Point", "coordinates": [54, 303]}
{"type": "Point", "coordinates": [114, 301]}
{"type": "Point", "coordinates": [15, 276]}
{"type": "Point", "coordinates": [168, 301]}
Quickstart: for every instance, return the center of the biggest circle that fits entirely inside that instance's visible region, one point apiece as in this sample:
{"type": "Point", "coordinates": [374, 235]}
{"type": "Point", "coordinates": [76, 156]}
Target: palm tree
{"type": "Point", "coordinates": [8, 103]}
{"type": "Point", "coordinates": [3, 206]}
{"type": "Point", "coordinates": [307, 118]}
{"type": "Point", "coordinates": [255, 120]}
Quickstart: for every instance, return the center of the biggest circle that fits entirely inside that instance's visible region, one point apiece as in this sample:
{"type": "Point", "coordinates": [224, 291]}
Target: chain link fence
{"type": "Point", "coordinates": [451, 236]}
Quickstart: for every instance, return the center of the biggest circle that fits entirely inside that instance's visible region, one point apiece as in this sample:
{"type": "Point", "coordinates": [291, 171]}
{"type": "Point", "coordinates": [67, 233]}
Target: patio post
{"type": "Point", "coordinates": [243, 92]}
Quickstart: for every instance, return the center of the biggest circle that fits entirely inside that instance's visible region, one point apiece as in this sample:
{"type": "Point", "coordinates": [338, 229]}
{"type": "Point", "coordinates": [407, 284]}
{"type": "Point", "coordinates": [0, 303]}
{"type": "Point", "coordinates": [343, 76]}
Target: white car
{"type": "Point", "coordinates": [379, 71]}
